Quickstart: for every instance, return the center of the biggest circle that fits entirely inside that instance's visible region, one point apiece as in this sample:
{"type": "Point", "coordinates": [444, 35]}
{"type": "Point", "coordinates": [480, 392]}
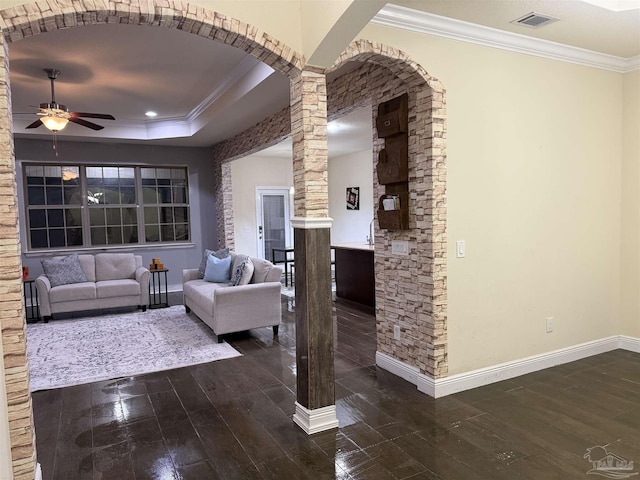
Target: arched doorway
{"type": "Point", "coordinates": [410, 290]}
{"type": "Point", "coordinates": [35, 18]}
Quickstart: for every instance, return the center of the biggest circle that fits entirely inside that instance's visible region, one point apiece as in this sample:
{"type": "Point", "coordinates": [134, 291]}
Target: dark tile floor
{"type": "Point", "coordinates": [231, 419]}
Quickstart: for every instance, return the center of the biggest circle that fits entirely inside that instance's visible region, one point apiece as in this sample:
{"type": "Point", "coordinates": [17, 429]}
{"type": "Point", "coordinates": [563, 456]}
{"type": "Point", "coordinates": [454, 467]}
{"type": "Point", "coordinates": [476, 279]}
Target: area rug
{"type": "Point", "coordinates": [84, 350]}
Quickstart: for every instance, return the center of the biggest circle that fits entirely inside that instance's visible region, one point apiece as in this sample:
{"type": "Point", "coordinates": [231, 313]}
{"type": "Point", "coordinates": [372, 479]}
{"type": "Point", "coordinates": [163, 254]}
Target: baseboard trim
{"type": "Point", "coordinates": [630, 343]}
{"type": "Point", "coordinates": [477, 378]}
{"type": "Point", "coordinates": [316, 420]}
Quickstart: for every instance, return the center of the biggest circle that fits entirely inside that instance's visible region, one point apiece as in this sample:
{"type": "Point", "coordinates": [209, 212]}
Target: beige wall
{"type": "Point", "coordinates": [630, 252]}
{"type": "Point", "coordinates": [533, 175]}
{"type": "Point", "coordinates": [352, 170]}
{"type": "Point", "coordinates": [248, 173]}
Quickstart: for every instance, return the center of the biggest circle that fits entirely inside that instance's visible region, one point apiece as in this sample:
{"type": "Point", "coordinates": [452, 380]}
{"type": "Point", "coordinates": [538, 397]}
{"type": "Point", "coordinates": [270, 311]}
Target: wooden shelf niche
{"type": "Point", "coordinates": [392, 124]}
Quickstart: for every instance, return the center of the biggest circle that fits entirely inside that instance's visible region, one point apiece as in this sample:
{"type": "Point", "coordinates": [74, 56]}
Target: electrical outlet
{"type": "Point", "coordinates": [549, 324]}
{"type": "Point", "coordinates": [396, 332]}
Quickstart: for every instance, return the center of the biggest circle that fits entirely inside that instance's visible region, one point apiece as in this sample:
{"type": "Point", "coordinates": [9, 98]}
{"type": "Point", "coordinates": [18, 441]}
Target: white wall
{"type": "Point", "coordinates": [354, 170]}
{"type": "Point", "coordinates": [246, 174]}
{"type": "Point", "coordinates": [533, 187]}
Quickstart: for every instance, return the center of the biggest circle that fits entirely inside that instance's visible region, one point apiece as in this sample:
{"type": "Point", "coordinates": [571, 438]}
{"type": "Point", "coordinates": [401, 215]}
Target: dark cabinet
{"type": "Point", "coordinates": [392, 124]}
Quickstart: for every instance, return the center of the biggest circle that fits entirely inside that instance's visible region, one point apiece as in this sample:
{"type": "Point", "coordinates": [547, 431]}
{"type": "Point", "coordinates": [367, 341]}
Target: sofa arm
{"type": "Point", "coordinates": [142, 277]}
{"type": "Point", "coordinates": [246, 306]}
{"type": "Point", "coordinates": [189, 274]}
{"type": "Point", "coordinates": [43, 287]}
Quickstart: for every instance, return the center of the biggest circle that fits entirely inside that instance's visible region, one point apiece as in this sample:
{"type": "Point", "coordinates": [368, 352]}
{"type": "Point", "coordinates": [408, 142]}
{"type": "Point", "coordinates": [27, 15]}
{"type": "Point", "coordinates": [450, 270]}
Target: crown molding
{"type": "Point", "coordinates": [430, 24]}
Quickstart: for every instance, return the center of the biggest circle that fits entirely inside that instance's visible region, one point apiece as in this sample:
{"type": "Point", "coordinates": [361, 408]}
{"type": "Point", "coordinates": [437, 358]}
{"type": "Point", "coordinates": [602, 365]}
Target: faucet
{"type": "Point", "coordinates": [370, 238]}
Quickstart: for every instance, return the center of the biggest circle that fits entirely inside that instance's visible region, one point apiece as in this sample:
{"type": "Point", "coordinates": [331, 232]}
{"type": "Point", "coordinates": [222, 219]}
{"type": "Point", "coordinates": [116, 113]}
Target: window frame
{"type": "Point", "coordinates": [85, 209]}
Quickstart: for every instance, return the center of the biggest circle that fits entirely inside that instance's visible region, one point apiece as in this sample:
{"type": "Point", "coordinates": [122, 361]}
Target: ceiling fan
{"type": "Point", "coordinates": [55, 116]}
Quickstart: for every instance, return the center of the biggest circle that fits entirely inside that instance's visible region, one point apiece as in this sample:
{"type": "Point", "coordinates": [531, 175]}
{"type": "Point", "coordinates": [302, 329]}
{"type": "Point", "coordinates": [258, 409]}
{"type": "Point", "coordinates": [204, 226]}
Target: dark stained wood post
{"type": "Point", "coordinates": [315, 405]}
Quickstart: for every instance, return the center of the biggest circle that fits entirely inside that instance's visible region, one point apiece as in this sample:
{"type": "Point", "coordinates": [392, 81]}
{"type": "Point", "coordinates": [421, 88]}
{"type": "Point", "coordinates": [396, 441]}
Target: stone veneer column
{"type": "Point", "coordinates": [223, 202]}
{"type": "Point", "coordinates": [315, 405]}
{"type": "Point", "coordinates": [12, 319]}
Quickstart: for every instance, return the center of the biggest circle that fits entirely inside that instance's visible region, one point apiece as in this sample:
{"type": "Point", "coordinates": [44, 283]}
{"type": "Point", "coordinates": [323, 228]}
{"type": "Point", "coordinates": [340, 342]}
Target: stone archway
{"type": "Point", "coordinates": [41, 17]}
{"type": "Point", "coordinates": [411, 291]}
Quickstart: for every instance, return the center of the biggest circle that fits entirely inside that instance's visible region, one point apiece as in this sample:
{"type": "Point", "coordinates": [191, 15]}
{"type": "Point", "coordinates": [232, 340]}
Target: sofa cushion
{"type": "Point", "coordinates": [261, 270]}
{"type": "Point", "coordinates": [242, 271]}
{"type": "Point", "coordinates": [63, 270]}
{"type": "Point", "coordinates": [117, 288]}
{"type": "Point", "coordinates": [115, 266]}
{"type": "Point", "coordinates": [222, 253]}
{"type": "Point", "coordinates": [73, 292]}
{"type": "Point", "coordinates": [88, 264]}
{"type": "Point", "coordinates": [201, 292]}
{"type": "Point", "coordinates": [218, 269]}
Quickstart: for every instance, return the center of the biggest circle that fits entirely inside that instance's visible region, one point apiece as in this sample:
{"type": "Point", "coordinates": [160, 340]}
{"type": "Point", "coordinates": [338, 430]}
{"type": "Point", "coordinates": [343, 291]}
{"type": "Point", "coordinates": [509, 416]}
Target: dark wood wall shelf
{"type": "Point", "coordinates": [392, 169]}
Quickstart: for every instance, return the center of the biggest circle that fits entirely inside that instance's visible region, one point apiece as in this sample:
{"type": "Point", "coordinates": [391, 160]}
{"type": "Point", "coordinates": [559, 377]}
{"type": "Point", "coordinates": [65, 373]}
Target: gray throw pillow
{"type": "Point", "coordinates": [222, 253]}
{"type": "Point", "coordinates": [242, 271]}
{"type": "Point", "coordinates": [63, 271]}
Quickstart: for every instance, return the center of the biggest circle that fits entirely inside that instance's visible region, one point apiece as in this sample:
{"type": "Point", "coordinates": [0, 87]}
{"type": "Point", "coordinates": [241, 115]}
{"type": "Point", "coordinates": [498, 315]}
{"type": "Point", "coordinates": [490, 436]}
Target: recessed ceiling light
{"type": "Point", "coordinates": [151, 114]}
{"type": "Point", "coordinates": [333, 127]}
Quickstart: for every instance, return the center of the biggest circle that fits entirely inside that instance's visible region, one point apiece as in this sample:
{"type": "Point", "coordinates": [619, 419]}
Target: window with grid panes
{"type": "Point", "coordinates": [87, 205]}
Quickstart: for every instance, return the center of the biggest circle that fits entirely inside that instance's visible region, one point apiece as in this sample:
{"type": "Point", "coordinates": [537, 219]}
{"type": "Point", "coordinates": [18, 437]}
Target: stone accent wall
{"type": "Point", "coordinates": [266, 133]}
{"type": "Point", "coordinates": [34, 18]}
{"type": "Point", "coordinates": [12, 312]}
{"type": "Point", "coordinates": [40, 17]}
{"type": "Point", "coordinates": [309, 140]}
{"type": "Point", "coordinates": [410, 290]}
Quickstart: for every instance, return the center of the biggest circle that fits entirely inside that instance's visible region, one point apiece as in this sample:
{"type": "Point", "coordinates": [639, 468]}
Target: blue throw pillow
{"type": "Point", "coordinates": [223, 252]}
{"type": "Point", "coordinates": [218, 269]}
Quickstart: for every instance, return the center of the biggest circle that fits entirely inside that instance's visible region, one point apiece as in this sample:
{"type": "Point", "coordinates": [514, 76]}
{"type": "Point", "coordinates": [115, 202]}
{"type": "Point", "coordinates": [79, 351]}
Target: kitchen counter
{"type": "Point", "coordinates": [353, 246]}
{"type": "Point", "coordinates": [355, 277]}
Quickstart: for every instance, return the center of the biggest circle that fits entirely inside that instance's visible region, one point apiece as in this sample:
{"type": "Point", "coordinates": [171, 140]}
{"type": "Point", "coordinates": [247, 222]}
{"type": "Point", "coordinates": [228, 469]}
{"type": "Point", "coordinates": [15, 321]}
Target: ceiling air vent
{"type": "Point", "coordinates": [535, 20]}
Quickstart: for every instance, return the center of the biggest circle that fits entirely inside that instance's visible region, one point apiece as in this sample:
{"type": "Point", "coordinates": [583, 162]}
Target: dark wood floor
{"type": "Point", "coordinates": [231, 419]}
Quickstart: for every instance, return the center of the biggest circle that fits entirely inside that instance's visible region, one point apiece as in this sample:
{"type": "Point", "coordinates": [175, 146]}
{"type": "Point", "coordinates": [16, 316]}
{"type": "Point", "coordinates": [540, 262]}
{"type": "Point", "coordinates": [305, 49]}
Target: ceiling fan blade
{"type": "Point", "coordinates": [104, 116]}
{"type": "Point", "coordinates": [84, 123]}
{"type": "Point", "coordinates": [35, 124]}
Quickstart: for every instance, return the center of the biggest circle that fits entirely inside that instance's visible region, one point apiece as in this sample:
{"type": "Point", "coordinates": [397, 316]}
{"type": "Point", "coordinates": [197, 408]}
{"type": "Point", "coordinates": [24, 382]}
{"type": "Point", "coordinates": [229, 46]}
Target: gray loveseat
{"type": "Point", "coordinates": [113, 280]}
{"type": "Point", "coordinates": [227, 309]}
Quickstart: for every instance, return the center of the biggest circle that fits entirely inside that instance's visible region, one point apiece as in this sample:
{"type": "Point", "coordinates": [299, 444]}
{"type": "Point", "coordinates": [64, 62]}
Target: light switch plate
{"type": "Point", "coordinates": [461, 249]}
{"type": "Point", "coordinates": [400, 247]}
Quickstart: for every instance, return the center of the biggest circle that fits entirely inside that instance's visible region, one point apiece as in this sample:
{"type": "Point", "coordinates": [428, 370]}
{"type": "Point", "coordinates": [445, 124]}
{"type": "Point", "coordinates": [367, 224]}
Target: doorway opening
{"type": "Point", "coordinates": [273, 214]}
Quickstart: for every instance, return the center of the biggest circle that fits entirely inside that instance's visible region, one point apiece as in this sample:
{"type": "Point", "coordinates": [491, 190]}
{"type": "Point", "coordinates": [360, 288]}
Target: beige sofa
{"type": "Point", "coordinates": [113, 280]}
{"type": "Point", "coordinates": [227, 309]}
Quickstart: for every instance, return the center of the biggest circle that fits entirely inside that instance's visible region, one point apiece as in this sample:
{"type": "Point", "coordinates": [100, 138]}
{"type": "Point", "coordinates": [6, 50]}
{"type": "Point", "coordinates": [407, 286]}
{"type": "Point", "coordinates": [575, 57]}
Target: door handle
{"type": "Point", "coordinates": [260, 232]}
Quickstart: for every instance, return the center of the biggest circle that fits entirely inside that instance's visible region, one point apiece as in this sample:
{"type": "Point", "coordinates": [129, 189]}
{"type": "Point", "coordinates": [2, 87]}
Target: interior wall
{"type": "Point", "coordinates": [246, 174]}
{"type": "Point", "coordinates": [344, 171]}
{"type": "Point", "coordinates": [201, 193]}
{"type": "Point", "coordinates": [630, 253]}
{"type": "Point", "coordinates": [353, 170]}
{"type": "Point", "coordinates": [533, 188]}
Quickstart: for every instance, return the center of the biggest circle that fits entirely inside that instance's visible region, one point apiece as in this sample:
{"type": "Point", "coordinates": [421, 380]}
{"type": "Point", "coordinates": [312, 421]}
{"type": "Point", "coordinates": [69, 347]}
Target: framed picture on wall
{"type": "Point", "coordinates": [353, 198]}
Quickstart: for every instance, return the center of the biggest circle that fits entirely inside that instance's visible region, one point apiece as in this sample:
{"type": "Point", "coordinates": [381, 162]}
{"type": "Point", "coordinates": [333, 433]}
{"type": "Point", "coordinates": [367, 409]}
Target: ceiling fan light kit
{"type": "Point", "coordinates": [54, 123]}
{"type": "Point", "coordinates": [55, 116]}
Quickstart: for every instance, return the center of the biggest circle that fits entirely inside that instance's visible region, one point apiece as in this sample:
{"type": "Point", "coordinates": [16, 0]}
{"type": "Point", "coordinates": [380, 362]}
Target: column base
{"type": "Point", "coordinates": [315, 421]}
